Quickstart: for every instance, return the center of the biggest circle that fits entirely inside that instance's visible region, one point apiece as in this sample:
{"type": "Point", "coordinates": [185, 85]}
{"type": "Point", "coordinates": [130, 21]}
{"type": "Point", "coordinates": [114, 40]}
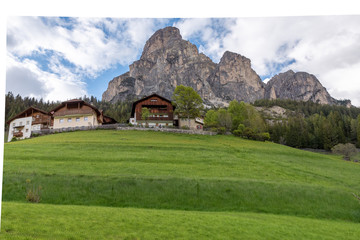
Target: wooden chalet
{"type": "Point", "coordinates": [31, 119]}
{"type": "Point", "coordinates": [161, 111]}
{"type": "Point", "coordinates": [78, 113]}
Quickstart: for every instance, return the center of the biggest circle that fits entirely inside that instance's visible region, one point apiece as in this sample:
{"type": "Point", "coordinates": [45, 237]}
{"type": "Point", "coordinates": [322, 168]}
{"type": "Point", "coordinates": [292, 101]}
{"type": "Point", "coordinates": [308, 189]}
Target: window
{"type": "Point", "coordinates": [37, 115]}
{"type": "Point", "coordinates": [85, 118]}
{"type": "Point", "coordinates": [78, 119]}
{"type": "Point", "coordinates": [61, 120]}
{"type": "Point", "coordinates": [26, 130]}
{"type": "Point", "coordinates": [153, 100]}
{"type": "Point", "coordinates": [20, 123]}
{"type": "Point", "coordinates": [69, 120]}
{"type": "Point", "coordinates": [27, 122]}
{"type": "Point", "coordinates": [165, 115]}
{"type": "Point", "coordinates": [13, 124]}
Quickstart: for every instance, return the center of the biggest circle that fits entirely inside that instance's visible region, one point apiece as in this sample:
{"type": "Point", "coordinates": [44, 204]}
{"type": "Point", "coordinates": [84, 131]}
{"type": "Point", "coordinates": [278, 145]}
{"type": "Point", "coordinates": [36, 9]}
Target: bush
{"type": "Point", "coordinates": [264, 136]}
{"type": "Point", "coordinates": [32, 193]}
{"type": "Point", "coordinates": [221, 130]}
{"type": "Point", "coordinates": [239, 131]}
{"type": "Point", "coordinates": [35, 134]}
{"type": "Point", "coordinates": [249, 133]}
{"type": "Point", "coordinates": [347, 150]}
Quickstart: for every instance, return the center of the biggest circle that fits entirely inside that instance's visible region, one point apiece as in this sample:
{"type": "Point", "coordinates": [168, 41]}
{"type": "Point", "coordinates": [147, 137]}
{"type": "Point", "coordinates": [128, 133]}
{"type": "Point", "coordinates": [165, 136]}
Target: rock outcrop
{"type": "Point", "coordinates": [168, 60]}
{"type": "Point", "coordinates": [300, 86]}
{"type": "Point", "coordinates": [235, 79]}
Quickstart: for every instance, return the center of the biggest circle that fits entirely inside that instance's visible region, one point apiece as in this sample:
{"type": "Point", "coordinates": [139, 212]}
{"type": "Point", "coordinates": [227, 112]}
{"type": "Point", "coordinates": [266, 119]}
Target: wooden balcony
{"type": "Point", "coordinates": [17, 134]}
{"type": "Point", "coordinates": [160, 117]}
{"type": "Point", "coordinates": [73, 112]}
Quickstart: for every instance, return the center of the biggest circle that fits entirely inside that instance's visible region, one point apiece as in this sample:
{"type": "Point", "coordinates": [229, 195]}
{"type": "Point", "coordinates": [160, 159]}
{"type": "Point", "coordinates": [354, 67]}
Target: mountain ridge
{"type": "Point", "coordinates": [168, 60]}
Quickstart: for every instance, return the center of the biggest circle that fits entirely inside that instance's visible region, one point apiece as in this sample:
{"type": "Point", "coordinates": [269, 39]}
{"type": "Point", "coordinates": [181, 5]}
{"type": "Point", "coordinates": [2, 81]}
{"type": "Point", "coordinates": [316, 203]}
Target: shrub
{"type": "Point", "coordinates": [221, 130]}
{"type": "Point", "coordinates": [33, 193]}
{"type": "Point", "coordinates": [35, 134]}
{"type": "Point", "coordinates": [240, 130]}
{"type": "Point", "coordinates": [185, 127]}
{"type": "Point", "coordinates": [264, 136]}
{"type": "Point", "coordinates": [249, 133]}
{"type": "Point", "coordinates": [347, 150]}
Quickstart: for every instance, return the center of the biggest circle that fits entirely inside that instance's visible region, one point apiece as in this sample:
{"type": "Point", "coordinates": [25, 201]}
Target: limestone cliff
{"type": "Point", "coordinates": [168, 60]}
{"type": "Point", "coordinates": [300, 86]}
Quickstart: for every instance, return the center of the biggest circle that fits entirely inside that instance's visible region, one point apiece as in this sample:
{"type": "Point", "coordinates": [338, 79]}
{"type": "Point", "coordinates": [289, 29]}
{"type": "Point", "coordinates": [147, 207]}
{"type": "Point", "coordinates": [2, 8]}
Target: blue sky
{"type": "Point", "coordinates": [59, 58]}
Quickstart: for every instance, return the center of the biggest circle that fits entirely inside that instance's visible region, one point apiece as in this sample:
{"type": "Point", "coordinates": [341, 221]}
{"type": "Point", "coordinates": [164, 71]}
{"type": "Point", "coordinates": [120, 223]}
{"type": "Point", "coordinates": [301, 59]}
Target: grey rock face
{"type": "Point", "coordinates": [168, 61]}
{"type": "Point", "coordinates": [300, 86]}
{"type": "Point", "coordinates": [235, 79]}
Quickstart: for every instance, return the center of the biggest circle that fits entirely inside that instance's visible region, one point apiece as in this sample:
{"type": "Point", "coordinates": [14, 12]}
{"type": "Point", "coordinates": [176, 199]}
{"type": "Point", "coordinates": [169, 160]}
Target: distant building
{"type": "Point", "coordinates": [161, 111]}
{"type": "Point", "coordinates": [32, 119]}
{"type": "Point", "coordinates": [195, 123]}
{"type": "Point", "coordinates": [78, 113]}
{"type": "Point", "coordinates": [161, 114]}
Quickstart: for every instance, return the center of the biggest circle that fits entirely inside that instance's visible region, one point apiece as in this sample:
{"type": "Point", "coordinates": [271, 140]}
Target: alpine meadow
{"type": "Point", "coordinates": [182, 128]}
{"type": "Point", "coordinates": [112, 184]}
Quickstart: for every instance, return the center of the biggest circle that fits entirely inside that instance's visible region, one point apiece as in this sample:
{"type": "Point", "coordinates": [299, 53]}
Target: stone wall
{"type": "Point", "coordinates": [120, 127]}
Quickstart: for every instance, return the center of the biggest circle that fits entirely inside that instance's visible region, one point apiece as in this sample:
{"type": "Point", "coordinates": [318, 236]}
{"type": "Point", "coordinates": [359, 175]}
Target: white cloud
{"type": "Point", "coordinates": [73, 49]}
{"type": "Point", "coordinates": [24, 77]}
{"type": "Point", "coordinates": [326, 46]}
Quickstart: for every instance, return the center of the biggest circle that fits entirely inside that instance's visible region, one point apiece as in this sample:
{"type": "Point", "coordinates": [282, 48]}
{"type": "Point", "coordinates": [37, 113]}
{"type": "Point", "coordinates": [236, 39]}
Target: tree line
{"type": "Point", "coordinates": [307, 125]}
{"type": "Point", "coordinates": [313, 125]}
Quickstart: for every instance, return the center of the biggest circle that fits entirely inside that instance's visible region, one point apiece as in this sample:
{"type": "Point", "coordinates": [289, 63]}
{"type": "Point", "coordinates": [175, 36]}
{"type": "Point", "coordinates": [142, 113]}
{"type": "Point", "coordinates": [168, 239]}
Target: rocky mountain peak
{"type": "Point", "coordinates": [160, 40]}
{"type": "Point", "coordinates": [234, 57]}
{"type": "Point", "coordinates": [299, 86]}
{"type": "Point", "coordinates": [235, 79]}
{"type": "Point", "coordinates": [168, 60]}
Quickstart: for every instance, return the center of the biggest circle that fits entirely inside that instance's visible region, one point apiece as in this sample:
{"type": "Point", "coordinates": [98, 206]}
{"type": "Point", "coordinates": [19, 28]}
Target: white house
{"type": "Point", "coordinates": [32, 119]}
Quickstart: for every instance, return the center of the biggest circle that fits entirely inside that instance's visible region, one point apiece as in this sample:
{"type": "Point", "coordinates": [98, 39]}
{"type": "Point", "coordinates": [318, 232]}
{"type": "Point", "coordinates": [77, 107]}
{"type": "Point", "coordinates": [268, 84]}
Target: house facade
{"type": "Point", "coordinates": [195, 123]}
{"type": "Point", "coordinates": [32, 119]}
{"type": "Point", "coordinates": [161, 112]}
{"type": "Point", "coordinates": [76, 113]}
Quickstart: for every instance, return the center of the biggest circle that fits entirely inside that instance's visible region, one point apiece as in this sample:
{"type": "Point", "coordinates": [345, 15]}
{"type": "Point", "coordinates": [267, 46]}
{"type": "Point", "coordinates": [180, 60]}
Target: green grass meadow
{"type": "Point", "coordinates": [107, 184]}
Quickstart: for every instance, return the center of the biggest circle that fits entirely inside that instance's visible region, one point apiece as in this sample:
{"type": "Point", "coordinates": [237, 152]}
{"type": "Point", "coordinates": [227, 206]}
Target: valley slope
{"type": "Point", "coordinates": [123, 184]}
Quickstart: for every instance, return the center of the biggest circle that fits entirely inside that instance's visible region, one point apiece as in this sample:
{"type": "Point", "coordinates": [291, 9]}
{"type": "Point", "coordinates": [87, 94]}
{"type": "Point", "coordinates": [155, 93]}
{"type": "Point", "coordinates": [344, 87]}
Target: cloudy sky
{"type": "Point", "coordinates": [60, 58]}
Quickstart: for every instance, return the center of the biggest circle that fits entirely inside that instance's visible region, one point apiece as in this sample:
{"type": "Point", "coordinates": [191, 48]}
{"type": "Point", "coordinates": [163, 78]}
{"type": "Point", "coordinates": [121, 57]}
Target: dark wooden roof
{"type": "Point", "coordinates": [144, 98]}
{"type": "Point", "coordinates": [98, 112]}
{"type": "Point", "coordinates": [109, 120]}
{"type": "Point", "coordinates": [26, 111]}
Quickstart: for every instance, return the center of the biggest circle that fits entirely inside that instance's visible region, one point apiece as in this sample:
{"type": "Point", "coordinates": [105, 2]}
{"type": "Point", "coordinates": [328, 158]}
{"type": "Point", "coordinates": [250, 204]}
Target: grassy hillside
{"type": "Point", "coordinates": [181, 178]}
{"type": "Point", "coordinates": [43, 221]}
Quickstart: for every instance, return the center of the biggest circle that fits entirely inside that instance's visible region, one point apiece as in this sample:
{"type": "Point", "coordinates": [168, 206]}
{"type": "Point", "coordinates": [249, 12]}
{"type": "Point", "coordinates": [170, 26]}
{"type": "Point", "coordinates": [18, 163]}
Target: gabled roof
{"type": "Point", "coordinates": [144, 98]}
{"type": "Point", "coordinates": [26, 111]}
{"type": "Point", "coordinates": [98, 112]}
